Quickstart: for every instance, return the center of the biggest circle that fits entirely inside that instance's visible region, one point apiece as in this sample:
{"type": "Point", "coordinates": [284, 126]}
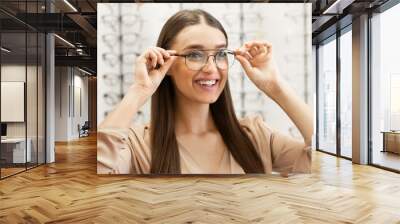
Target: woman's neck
{"type": "Point", "coordinates": [193, 117]}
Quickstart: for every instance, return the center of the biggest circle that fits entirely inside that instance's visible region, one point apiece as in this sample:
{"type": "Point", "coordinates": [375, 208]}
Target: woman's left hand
{"type": "Point", "coordinates": [257, 60]}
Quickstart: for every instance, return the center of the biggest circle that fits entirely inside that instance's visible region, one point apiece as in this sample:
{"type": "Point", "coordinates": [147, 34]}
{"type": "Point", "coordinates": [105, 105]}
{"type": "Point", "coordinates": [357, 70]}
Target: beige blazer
{"type": "Point", "coordinates": [127, 151]}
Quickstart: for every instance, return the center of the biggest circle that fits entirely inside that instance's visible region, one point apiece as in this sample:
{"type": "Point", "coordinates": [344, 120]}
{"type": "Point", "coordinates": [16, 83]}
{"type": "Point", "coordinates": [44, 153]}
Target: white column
{"type": "Point", "coordinates": [360, 90]}
{"type": "Point", "coordinates": [50, 99]}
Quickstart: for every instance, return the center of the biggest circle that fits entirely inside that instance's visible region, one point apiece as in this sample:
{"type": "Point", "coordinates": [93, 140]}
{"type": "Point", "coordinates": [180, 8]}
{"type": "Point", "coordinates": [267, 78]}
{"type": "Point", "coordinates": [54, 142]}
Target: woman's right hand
{"type": "Point", "coordinates": [150, 69]}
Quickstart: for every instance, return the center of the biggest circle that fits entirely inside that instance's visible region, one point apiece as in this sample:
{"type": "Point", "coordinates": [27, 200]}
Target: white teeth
{"type": "Point", "coordinates": [207, 82]}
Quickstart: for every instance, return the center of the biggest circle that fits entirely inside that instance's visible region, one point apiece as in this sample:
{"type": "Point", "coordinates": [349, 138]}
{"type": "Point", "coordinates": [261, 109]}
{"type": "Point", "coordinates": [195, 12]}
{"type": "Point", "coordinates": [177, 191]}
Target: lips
{"type": "Point", "coordinates": [207, 84]}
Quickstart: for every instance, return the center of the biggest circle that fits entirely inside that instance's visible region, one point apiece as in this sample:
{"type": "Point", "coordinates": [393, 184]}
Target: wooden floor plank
{"type": "Point", "coordinates": [70, 191]}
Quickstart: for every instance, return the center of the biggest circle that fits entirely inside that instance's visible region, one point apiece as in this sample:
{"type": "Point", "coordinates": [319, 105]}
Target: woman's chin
{"type": "Point", "coordinates": [208, 99]}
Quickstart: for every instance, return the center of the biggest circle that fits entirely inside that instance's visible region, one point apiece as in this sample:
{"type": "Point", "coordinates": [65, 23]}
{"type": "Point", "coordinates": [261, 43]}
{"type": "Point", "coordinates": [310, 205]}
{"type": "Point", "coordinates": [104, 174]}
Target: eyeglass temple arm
{"type": "Point", "coordinates": [230, 51]}
{"type": "Point", "coordinates": [176, 54]}
{"type": "Point", "coordinates": [183, 55]}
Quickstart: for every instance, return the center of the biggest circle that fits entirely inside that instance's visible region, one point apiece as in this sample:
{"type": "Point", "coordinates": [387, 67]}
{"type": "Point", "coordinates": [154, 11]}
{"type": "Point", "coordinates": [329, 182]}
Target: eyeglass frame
{"type": "Point", "coordinates": [208, 56]}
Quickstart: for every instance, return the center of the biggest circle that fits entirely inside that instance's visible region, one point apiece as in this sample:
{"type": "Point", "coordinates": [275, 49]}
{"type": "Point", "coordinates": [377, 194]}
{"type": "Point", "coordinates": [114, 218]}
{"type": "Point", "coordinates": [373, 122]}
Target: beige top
{"type": "Point", "coordinates": [127, 151]}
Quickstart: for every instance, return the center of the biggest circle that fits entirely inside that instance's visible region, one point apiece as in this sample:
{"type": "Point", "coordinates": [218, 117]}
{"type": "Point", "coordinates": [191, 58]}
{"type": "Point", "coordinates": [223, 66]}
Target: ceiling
{"type": "Point", "coordinates": [77, 23]}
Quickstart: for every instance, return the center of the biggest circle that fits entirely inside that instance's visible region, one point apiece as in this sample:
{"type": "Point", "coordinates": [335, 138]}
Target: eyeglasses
{"type": "Point", "coordinates": [195, 60]}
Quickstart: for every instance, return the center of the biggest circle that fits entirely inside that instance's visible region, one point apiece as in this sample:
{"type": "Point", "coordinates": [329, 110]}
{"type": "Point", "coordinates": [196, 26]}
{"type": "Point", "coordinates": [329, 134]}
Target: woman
{"type": "Point", "coordinates": [193, 127]}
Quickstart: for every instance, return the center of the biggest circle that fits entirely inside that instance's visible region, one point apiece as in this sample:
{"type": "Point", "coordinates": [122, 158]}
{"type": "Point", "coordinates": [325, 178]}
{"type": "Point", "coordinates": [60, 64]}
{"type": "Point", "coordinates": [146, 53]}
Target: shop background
{"type": "Point", "coordinates": [126, 29]}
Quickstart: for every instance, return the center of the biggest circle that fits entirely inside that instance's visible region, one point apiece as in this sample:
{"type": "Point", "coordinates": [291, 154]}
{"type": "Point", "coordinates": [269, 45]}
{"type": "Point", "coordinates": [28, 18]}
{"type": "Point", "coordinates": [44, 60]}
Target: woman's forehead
{"type": "Point", "coordinates": [200, 36]}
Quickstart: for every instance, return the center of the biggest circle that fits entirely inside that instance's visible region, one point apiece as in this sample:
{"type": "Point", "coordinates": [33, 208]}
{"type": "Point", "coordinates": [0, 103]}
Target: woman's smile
{"type": "Point", "coordinates": [207, 84]}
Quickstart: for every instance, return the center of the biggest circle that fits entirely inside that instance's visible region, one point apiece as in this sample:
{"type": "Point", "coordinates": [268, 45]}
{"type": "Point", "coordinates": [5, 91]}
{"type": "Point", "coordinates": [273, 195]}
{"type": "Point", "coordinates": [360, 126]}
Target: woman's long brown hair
{"type": "Point", "coordinates": [165, 154]}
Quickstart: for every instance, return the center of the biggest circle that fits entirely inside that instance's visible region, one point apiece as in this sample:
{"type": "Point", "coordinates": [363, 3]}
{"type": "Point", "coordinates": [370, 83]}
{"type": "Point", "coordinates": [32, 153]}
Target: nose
{"type": "Point", "coordinates": [210, 66]}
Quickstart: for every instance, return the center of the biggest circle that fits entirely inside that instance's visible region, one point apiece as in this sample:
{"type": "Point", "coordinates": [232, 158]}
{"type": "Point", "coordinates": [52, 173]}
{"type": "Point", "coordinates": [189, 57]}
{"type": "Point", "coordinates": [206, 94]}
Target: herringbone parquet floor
{"type": "Point", "coordinates": [69, 191]}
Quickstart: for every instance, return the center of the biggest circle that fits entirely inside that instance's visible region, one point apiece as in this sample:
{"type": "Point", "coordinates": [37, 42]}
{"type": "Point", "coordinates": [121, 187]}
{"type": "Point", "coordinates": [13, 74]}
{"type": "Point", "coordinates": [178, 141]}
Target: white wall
{"type": "Point", "coordinates": [80, 109]}
{"type": "Point", "coordinates": [71, 93]}
{"type": "Point", "coordinates": [61, 106]}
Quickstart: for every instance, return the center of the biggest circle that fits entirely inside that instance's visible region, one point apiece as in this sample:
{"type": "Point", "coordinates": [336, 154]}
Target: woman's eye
{"type": "Point", "coordinates": [195, 55]}
{"type": "Point", "coordinates": [221, 54]}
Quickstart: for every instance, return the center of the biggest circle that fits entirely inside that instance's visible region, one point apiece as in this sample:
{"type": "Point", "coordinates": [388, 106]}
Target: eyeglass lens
{"type": "Point", "coordinates": [196, 60]}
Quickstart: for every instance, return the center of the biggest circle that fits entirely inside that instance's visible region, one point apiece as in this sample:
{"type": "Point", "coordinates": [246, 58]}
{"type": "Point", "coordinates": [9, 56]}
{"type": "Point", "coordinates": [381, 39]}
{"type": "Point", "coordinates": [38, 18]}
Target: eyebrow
{"type": "Point", "coordinates": [199, 46]}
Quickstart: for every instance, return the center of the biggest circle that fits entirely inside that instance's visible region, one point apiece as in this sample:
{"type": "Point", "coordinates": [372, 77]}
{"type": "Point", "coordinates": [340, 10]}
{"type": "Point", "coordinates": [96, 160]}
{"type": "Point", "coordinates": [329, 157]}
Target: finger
{"type": "Point", "coordinates": [237, 51]}
{"type": "Point", "coordinates": [259, 44]}
{"type": "Point", "coordinates": [265, 43]}
{"type": "Point", "coordinates": [245, 63]}
{"type": "Point", "coordinates": [171, 52]}
{"type": "Point", "coordinates": [160, 58]}
{"type": "Point", "coordinates": [253, 51]}
{"type": "Point", "coordinates": [261, 50]}
{"type": "Point", "coordinates": [265, 47]}
{"type": "Point", "coordinates": [164, 68]}
{"type": "Point", "coordinates": [248, 56]}
{"type": "Point", "coordinates": [269, 48]}
{"type": "Point", "coordinates": [147, 58]}
{"type": "Point", "coordinates": [244, 52]}
{"type": "Point", "coordinates": [152, 58]}
{"type": "Point", "coordinates": [249, 44]}
{"type": "Point", "coordinates": [254, 43]}
{"type": "Point", "coordinates": [262, 47]}
{"type": "Point", "coordinates": [163, 52]}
